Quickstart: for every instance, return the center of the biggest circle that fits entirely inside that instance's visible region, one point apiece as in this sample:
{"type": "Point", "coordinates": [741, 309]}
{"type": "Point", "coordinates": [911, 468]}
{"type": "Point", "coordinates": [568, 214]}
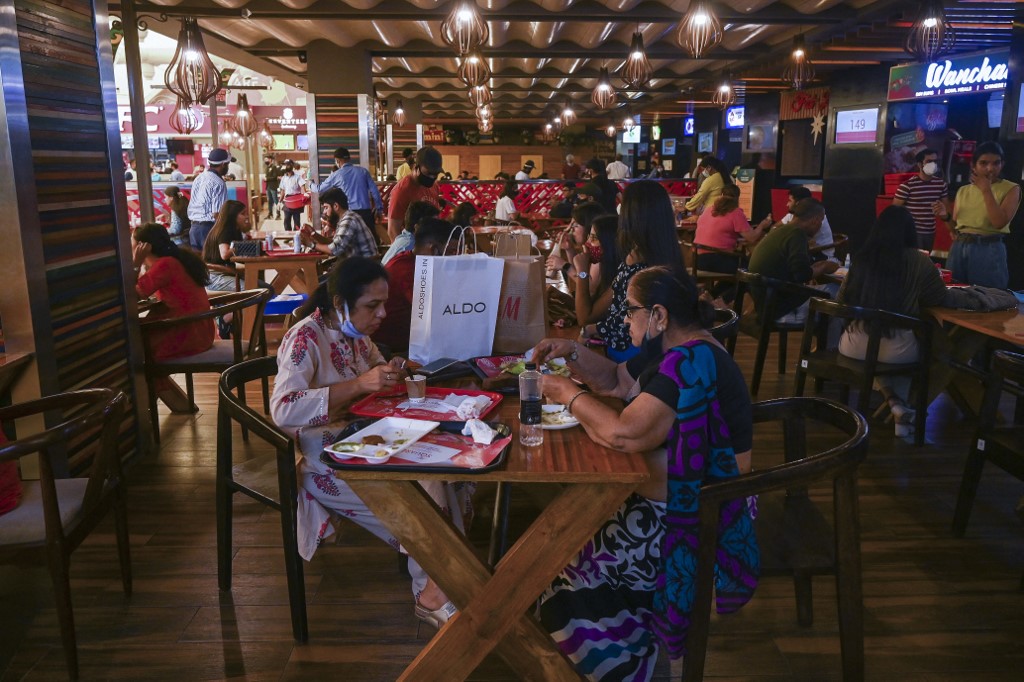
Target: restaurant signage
{"type": "Point", "coordinates": [797, 104]}
{"type": "Point", "coordinates": [959, 75]}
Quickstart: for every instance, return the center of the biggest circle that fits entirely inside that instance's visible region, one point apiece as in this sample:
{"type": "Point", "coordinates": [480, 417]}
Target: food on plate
{"type": "Point", "coordinates": [556, 366]}
{"type": "Point", "coordinates": [373, 439]}
{"type": "Point", "coordinates": [348, 447]}
{"type": "Point", "coordinates": [558, 418]}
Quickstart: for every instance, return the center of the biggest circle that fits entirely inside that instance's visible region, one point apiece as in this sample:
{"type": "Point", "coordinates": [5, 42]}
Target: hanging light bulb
{"type": "Point", "coordinates": [568, 115]}
{"type": "Point", "coordinates": [725, 94]}
{"type": "Point", "coordinates": [399, 116]}
{"type": "Point", "coordinates": [184, 119]}
{"type": "Point", "coordinates": [473, 70]}
{"type": "Point", "coordinates": [700, 30]}
{"type": "Point", "coordinates": [557, 123]}
{"type": "Point", "coordinates": [610, 130]}
{"type": "Point", "coordinates": [227, 133]}
{"type": "Point", "coordinates": [483, 112]}
{"type": "Point", "coordinates": [266, 137]}
{"type": "Point", "coordinates": [628, 122]}
{"type": "Point", "coordinates": [603, 95]}
{"type": "Point", "coordinates": [932, 35]}
{"type": "Point", "coordinates": [480, 95]}
{"type": "Point", "coordinates": [192, 75]}
{"type": "Point", "coordinates": [464, 29]}
{"type": "Point", "coordinates": [799, 71]}
{"type": "Point", "coordinates": [637, 71]}
{"type": "Point", "coordinates": [245, 124]}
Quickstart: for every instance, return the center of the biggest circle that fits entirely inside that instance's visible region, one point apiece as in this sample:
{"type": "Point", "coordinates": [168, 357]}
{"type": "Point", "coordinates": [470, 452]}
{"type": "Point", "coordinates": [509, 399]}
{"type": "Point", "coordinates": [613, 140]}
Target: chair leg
{"type": "Point", "coordinates": [294, 571]}
{"type": "Point", "coordinates": [224, 497]}
{"type": "Point", "coordinates": [266, 395]}
{"type": "Point", "coordinates": [154, 417]}
{"type": "Point", "coordinates": [123, 545]}
{"type": "Point", "coordinates": [762, 351]}
{"type": "Point", "coordinates": [968, 490]}
{"type": "Point", "coordinates": [804, 599]}
{"type": "Point", "coordinates": [800, 380]}
{"type": "Point", "coordinates": [499, 524]}
{"type": "Point", "coordinates": [783, 338]}
{"type": "Point", "coordinates": [848, 578]}
{"type": "Point", "coordinates": [65, 615]}
{"type": "Point", "coordinates": [241, 397]}
{"type": "Point", "coordinates": [864, 395]}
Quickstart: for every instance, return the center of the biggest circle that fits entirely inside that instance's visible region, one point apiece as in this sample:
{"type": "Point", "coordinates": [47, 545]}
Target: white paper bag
{"type": "Point", "coordinates": [454, 306]}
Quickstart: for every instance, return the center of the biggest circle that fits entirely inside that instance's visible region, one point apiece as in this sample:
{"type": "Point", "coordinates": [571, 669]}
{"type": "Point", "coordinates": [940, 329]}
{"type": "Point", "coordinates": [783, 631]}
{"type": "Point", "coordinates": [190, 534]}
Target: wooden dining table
{"type": "Point", "coordinates": [297, 269]}
{"type": "Point", "coordinates": [11, 367]}
{"type": "Point", "coordinates": [1002, 325]}
{"type": "Point", "coordinates": [495, 603]}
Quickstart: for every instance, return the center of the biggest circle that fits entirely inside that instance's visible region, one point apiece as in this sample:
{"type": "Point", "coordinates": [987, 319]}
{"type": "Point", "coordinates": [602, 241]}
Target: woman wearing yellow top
{"type": "Point", "coordinates": [716, 178]}
{"type": "Point", "coordinates": [981, 217]}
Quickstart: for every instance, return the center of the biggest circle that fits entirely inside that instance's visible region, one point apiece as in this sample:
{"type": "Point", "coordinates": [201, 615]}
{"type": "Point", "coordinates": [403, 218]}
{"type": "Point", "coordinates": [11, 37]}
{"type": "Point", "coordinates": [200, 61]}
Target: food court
{"type": "Point", "coordinates": [512, 341]}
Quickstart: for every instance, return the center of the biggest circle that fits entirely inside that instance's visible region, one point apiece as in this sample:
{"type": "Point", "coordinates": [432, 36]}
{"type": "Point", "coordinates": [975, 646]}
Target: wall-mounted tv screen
{"type": "Point", "coordinates": [688, 126]}
{"type": "Point", "coordinates": [857, 126]}
{"type": "Point", "coordinates": [631, 136]}
{"type": "Point", "coordinates": [995, 112]}
{"type": "Point", "coordinates": [734, 117]}
{"type": "Point", "coordinates": [284, 143]}
{"type": "Point", "coordinates": [180, 147]}
{"type": "Point", "coordinates": [302, 142]}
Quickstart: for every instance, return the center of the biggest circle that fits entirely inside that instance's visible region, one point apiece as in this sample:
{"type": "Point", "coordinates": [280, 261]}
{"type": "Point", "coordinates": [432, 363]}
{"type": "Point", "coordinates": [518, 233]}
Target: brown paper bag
{"type": "Point", "coordinates": [522, 306]}
{"type": "Point", "coordinates": [508, 244]}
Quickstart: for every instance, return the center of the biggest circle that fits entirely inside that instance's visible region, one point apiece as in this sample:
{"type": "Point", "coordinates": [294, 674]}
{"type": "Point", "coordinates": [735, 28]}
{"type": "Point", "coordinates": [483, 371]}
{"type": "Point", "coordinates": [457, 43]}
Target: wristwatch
{"type": "Point", "coordinates": [582, 274]}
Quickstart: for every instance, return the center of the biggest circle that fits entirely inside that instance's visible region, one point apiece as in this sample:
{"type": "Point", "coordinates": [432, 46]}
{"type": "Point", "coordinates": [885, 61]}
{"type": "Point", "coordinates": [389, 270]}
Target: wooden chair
{"type": "Point", "coordinates": [823, 363]}
{"type": "Point", "coordinates": [726, 325]}
{"type": "Point", "coordinates": [243, 344]}
{"type": "Point", "coordinates": [230, 271]}
{"type": "Point", "coordinates": [56, 515]}
{"type": "Point", "coordinates": [998, 444]}
{"type": "Point", "coordinates": [839, 241]}
{"type": "Point", "coordinates": [799, 542]}
{"type": "Point", "coordinates": [765, 292]}
{"type": "Point", "coordinates": [709, 276]}
{"type": "Point", "coordinates": [268, 479]}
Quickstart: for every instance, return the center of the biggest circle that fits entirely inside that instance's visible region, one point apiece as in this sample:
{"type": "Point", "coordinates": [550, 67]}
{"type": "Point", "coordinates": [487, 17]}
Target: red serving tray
{"type": "Point", "coordinates": [491, 367]}
{"type": "Point", "coordinates": [471, 455]}
{"type": "Point", "coordinates": [386, 404]}
{"type": "Point", "coordinates": [282, 252]}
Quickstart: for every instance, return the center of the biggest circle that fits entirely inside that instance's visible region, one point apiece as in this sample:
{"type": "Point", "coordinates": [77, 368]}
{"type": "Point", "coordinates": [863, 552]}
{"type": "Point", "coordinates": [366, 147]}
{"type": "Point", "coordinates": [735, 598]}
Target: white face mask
{"type": "Point", "coordinates": [931, 168]}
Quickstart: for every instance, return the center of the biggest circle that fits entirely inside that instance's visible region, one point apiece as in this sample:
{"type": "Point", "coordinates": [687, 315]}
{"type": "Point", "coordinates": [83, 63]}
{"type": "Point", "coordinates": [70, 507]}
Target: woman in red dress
{"type": "Point", "coordinates": [178, 278]}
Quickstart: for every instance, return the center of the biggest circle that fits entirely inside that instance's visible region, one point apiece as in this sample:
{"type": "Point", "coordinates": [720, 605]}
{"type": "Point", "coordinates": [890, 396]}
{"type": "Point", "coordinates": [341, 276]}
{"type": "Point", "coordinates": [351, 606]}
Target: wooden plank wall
{"type": "Point", "coordinates": [337, 125]}
{"type": "Point", "coordinates": [75, 197]}
{"type": "Point", "coordinates": [400, 139]}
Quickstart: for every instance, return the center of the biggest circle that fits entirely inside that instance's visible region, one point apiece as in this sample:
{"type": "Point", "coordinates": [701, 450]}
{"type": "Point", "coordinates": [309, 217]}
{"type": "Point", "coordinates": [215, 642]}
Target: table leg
{"type": "Point", "coordinates": [493, 608]}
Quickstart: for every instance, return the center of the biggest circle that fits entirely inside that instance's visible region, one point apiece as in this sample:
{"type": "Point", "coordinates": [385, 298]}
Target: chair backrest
{"type": "Point", "coordinates": [837, 463]}
{"type": "Point", "coordinates": [97, 417]}
{"type": "Point", "coordinates": [726, 324]}
{"type": "Point", "coordinates": [872, 320]}
{"type": "Point", "coordinates": [232, 406]}
{"type": "Point", "coordinates": [1007, 374]}
{"type": "Point", "coordinates": [765, 292]}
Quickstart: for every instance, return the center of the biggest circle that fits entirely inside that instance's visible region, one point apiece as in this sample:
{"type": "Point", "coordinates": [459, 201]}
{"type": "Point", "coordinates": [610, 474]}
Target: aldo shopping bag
{"type": "Point", "coordinates": [454, 306]}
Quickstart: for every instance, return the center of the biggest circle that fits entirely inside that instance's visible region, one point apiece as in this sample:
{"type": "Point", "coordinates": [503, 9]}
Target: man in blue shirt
{"type": "Point", "coordinates": [358, 186]}
{"type": "Point", "coordinates": [209, 192]}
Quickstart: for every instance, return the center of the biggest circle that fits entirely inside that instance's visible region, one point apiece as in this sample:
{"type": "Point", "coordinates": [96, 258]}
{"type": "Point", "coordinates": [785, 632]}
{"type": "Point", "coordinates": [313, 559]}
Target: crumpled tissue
{"type": "Point", "coordinates": [481, 432]}
{"type": "Point", "coordinates": [468, 407]}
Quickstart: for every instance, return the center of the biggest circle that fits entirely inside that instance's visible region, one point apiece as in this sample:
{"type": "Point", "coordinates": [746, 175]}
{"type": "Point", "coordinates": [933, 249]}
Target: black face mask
{"type": "Point", "coordinates": [426, 180]}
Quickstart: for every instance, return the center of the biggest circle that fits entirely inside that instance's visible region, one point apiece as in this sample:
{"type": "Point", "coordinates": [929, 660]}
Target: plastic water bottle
{"type": "Point", "coordinates": [530, 432]}
{"type": "Point", "coordinates": [270, 241]}
{"type": "Point", "coordinates": [298, 243]}
{"type": "Point", "coordinates": [846, 263]}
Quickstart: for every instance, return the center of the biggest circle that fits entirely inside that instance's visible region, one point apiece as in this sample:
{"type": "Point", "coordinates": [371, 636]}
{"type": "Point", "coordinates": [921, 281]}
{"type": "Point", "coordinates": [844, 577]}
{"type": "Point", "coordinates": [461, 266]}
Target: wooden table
{"type": "Point", "coordinates": [1003, 325]}
{"type": "Point", "coordinates": [493, 604]}
{"type": "Point", "coordinates": [11, 366]}
{"type": "Point", "coordinates": [299, 270]}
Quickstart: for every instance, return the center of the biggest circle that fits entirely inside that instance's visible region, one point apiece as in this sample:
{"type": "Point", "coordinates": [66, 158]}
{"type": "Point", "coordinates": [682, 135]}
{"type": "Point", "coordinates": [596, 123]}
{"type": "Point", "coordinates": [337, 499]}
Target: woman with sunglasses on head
{"type": "Point", "coordinates": [688, 409]}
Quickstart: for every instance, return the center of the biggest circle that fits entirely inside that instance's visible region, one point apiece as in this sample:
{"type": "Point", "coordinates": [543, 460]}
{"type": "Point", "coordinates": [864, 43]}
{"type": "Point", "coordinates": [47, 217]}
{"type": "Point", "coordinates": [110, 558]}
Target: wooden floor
{"type": "Point", "coordinates": [936, 608]}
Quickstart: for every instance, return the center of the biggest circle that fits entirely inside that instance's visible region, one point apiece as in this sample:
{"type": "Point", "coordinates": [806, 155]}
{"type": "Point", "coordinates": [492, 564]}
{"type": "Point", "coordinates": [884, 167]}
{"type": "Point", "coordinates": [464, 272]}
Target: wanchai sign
{"type": "Point", "coordinates": [959, 75]}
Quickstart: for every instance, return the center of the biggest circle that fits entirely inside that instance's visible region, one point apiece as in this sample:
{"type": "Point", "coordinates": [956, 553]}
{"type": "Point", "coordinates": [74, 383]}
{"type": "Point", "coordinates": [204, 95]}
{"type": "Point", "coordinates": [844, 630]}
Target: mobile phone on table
{"type": "Point", "coordinates": [437, 366]}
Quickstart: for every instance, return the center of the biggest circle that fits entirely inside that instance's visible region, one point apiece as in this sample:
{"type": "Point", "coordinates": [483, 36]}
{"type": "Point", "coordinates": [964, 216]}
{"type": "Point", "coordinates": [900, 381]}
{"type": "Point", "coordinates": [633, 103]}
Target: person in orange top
{"type": "Point", "coordinates": [178, 277]}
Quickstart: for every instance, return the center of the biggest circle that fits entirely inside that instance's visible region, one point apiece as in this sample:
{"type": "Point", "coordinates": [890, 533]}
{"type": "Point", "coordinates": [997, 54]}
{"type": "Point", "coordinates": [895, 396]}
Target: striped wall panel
{"type": "Point", "coordinates": [74, 193]}
{"type": "Point", "coordinates": [400, 139]}
{"type": "Point", "coordinates": [337, 125]}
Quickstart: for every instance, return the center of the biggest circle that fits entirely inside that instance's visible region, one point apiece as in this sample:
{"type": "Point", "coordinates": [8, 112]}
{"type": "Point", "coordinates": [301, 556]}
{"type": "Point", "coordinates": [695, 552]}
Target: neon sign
{"type": "Point", "coordinates": [960, 75]}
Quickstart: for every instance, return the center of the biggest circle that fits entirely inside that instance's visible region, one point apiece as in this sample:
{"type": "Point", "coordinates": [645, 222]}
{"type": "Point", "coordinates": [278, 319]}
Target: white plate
{"type": "Point", "coordinates": [564, 419]}
{"type": "Point", "coordinates": [398, 434]}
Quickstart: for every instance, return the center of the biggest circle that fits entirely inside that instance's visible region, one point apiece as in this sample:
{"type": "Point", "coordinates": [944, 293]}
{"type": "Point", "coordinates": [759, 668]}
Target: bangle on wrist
{"type": "Point", "coordinates": [568, 405]}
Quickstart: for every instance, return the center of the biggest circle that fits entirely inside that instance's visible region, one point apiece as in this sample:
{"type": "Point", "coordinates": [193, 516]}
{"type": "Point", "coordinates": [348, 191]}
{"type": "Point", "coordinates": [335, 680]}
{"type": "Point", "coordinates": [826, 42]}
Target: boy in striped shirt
{"type": "Point", "coordinates": [926, 196]}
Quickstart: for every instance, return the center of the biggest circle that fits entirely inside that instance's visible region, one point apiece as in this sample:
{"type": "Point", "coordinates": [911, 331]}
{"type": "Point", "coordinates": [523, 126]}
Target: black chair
{"type": "Point", "coordinates": [268, 479]}
{"type": "Point", "coordinates": [794, 539]}
{"type": "Point", "coordinates": [823, 363]}
{"type": "Point", "coordinates": [765, 292]}
{"type": "Point", "coordinates": [56, 514]}
{"type": "Point", "coordinates": [709, 276]}
{"type": "Point", "coordinates": [726, 325]}
{"type": "Point", "coordinates": [1000, 445]}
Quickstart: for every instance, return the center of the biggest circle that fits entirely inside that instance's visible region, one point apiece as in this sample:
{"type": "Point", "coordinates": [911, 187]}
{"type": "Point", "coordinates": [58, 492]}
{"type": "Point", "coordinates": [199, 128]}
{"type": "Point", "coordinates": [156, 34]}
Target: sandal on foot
{"type": "Point", "coordinates": [438, 617]}
{"type": "Point", "coordinates": [904, 418]}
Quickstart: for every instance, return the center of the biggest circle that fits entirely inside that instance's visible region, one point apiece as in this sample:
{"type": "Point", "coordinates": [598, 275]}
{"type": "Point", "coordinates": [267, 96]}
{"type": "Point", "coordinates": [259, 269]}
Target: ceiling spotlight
{"type": "Point", "coordinates": [700, 30]}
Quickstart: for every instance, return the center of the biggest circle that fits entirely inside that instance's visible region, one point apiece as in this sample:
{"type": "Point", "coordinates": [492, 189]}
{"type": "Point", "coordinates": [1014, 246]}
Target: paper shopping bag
{"type": "Point", "coordinates": [454, 306]}
{"type": "Point", "coordinates": [522, 309]}
{"type": "Point", "coordinates": [512, 244]}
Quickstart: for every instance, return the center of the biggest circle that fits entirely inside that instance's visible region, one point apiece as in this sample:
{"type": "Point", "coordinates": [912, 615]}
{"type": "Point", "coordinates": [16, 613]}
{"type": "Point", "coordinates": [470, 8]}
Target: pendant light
{"type": "Point", "coordinates": [483, 113]}
{"type": "Point", "coordinates": [628, 122]}
{"type": "Point", "coordinates": [725, 94]}
{"type": "Point", "coordinates": [464, 29]}
{"type": "Point", "coordinates": [473, 70]}
{"type": "Point", "coordinates": [266, 137]}
{"type": "Point", "coordinates": [799, 71]}
{"type": "Point", "coordinates": [931, 35]}
{"type": "Point", "coordinates": [637, 71]}
{"type": "Point", "coordinates": [610, 130]}
{"type": "Point", "coordinates": [192, 75]}
{"type": "Point", "coordinates": [603, 95]}
{"type": "Point", "coordinates": [700, 30]}
{"type": "Point", "coordinates": [245, 124]}
{"type": "Point", "coordinates": [568, 115]}
{"type": "Point", "coordinates": [227, 133]}
{"type": "Point", "coordinates": [480, 95]}
{"type": "Point", "coordinates": [184, 119]}
{"type": "Point", "coordinates": [398, 118]}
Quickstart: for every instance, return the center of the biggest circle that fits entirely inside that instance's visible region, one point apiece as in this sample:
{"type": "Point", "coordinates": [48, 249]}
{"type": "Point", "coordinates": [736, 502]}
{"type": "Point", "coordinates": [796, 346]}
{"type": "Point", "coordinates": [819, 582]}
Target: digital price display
{"type": "Point", "coordinates": [857, 126]}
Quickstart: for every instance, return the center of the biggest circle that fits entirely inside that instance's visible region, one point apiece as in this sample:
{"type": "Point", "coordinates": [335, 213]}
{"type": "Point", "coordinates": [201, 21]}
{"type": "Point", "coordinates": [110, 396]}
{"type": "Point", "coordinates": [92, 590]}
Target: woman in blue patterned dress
{"type": "Point", "coordinates": [629, 590]}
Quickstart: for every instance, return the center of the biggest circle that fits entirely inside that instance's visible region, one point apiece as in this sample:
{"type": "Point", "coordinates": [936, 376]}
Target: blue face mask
{"type": "Point", "coordinates": [650, 346]}
{"type": "Point", "coordinates": [349, 329]}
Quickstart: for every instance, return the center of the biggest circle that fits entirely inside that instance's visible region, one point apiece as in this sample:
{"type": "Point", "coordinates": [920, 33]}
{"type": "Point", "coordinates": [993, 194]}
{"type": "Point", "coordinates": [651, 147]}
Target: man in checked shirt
{"type": "Point", "coordinates": [209, 192]}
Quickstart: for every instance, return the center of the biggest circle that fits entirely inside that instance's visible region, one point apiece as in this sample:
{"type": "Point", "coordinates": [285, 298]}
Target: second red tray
{"type": "Point", "coordinates": [386, 404]}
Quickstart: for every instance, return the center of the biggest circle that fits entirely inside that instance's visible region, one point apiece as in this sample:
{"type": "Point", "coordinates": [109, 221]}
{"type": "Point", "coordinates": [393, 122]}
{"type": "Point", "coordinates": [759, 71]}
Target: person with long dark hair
{"type": "Point", "coordinates": [627, 592]}
{"type": "Point", "coordinates": [231, 226]}
{"type": "Point", "coordinates": [325, 363]}
{"type": "Point", "coordinates": [178, 277]}
{"type": "Point", "coordinates": [178, 221]}
{"type": "Point", "coordinates": [600, 259]}
{"type": "Point", "coordinates": [464, 214]}
{"type": "Point", "coordinates": [647, 237]}
{"type": "Point", "coordinates": [572, 239]}
{"type": "Point", "coordinates": [716, 177]}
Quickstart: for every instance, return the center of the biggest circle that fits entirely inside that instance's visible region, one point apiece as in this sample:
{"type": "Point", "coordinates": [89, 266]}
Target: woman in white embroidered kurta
{"type": "Point", "coordinates": [324, 364]}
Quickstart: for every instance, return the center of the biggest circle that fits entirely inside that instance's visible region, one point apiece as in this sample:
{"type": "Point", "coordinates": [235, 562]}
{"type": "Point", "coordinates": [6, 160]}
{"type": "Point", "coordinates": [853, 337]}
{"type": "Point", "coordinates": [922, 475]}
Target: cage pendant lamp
{"type": "Point", "coordinates": [464, 29]}
{"type": "Point", "coordinates": [799, 70]}
{"type": "Point", "coordinates": [184, 119]}
{"type": "Point", "coordinates": [610, 130]}
{"type": "Point", "coordinates": [725, 94]}
{"type": "Point", "coordinates": [398, 118]}
{"type": "Point", "coordinates": [473, 70]}
{"type": "Point", "coordinates": [628, 122]}
{"type": "Point", "coordinates": [245, 124]}
{"type": "Point", "coordinates": [266, 137]}
{"type": "Point", "coordinates": [603, 95]}
{"type": "Point", "coordinates": [483, 113]}
{"type": "Point", "coordinates": [931, 35]}
{"type": "Point", "coordinates": [192, 75]}
{"type": "Point", "coordinates": [227, 132]}
{"type": "Point", "coordinates": [568, 114]}
{"type": "Point", "coordinates": [700, 30]}
{"type": "Point", "coordinates": [637, 71]}
{"type": "Point", "coordinates": [480, 95]}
